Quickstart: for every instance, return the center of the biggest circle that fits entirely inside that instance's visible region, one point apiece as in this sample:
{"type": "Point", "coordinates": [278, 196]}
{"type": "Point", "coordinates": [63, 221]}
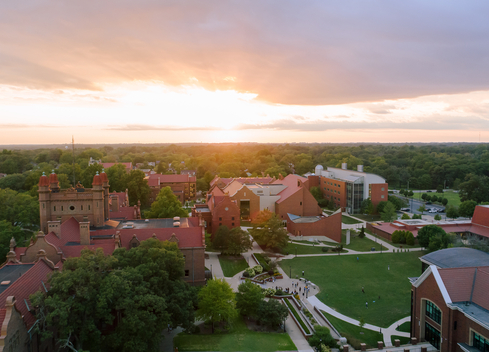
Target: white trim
{"type": "Point", "coordinates": [423, 277]}
{"type": "Point", "coordinates": [441, 284]}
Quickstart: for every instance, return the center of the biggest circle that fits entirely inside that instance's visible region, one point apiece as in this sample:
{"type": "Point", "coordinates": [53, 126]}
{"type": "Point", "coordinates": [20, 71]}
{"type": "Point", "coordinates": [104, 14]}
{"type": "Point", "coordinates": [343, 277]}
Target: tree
{"type": "Point", "coordinates": [423, 196]}
{"type": "Point", "coordinates": [422, 208]}
{"type": "Point", "coordinates": [427, 232]}
{"type": "Point", "coordinates": [271, 234]}
{"type": "Point", "coordinates": [271, 313]}
{"type": "Point", "coordinates": [248, 298]}
{"type": "Point", "coordinates": [399, 236]}
{"type": "Point", "coordinates": [410, 238]}
{"type": "Point", "coordinates": [137, 186]}
{"type": "Point", "coordinates": [439, 189]}
{"type": "Point", "coordinates": [444, 201]}
{"type": "Point", "coordinates": [7, 231]}
{"type": "Point", "coordinates": [466, 209]}
{"type": "Point", "coordinates": [20, 209]}
{"type": "Point", "coordinates": [362, 232]}
{"type": "Point", "coordinates": [397, 202]}
{"type": "Point", "coordinates": [323, 336]}
{"type": "Point", "coordinates": [262, 217]}
{"type": "Point", "coordinates": [434, 198]}
{"type": "Point", "coordinates": [437, 217]}
{"type": "Point", "coordinates": [452, 212]}
{"type": "Point", "coordinates": [380, 206]}
{"type": "Point", "coordinates": [14, 181]}
{"type": "Point", "coordinates": [117, 177]}
{"type": "Point", "coordinates": [166, 205]}
{"type": "Point", "coordinates": [389, 212]}
{"type": "Point", "coordinates": [239, 242]}
{"type": "Point", "coordinates": [135, 293]}
{"type": "Point", "coordinates": [475, 188]}
{"type": "Point", "coordinates": [366, 206]}
{"type": "Point", "coordinates": [316, 193]}
{"type": "Point", "coordinates": [88, 173]}
{"type": "Point", "coordinates": [428, 198]}
{"type": "Point", "coordinates": [217, 302]}
{"type": "Point", "coordinates": [405, 216]}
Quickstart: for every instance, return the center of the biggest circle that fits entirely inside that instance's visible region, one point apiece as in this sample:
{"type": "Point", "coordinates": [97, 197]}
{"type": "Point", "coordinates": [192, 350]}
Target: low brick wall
{"type": "Point", "coordinates": [378, 232]}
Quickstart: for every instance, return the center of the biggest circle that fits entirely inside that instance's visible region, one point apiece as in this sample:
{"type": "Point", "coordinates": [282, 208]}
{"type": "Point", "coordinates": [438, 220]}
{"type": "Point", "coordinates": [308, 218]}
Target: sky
{"type": "Point", "coordinates": [273, 71]}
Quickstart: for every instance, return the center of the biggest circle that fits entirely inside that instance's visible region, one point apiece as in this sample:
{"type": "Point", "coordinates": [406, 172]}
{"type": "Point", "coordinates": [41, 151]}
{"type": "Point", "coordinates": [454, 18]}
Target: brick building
{"type": "Point", "coordinates": [450, 304]}
{"type": "Point", "coordinates": [316, 226]}
{"type": "Point", "coordinates": [19, 281]}
{"type": "Point", "coordinates": [349, 188]}
{"type": "Point", "coordinates": [183, 186]}
{"type": "Point", "coordinates": [67, 234]}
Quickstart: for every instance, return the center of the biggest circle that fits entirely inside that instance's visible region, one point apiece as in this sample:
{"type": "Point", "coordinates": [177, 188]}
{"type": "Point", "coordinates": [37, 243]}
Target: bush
{"type": "Point", "coordinates": [437, 217]}
{"type": "Point", "coordinates": [269, 292]}
{"type": "Point", "coordinates": [258, 269]}
{"type": "Point", "coordinates": [410, 238]}
{"type": "Point", "coordinates": [271, 272]}
{"type": "Point", "coordinates": [362, 233]}
{"type": "Point", "coordinates": [246, 274]}
{"type": "Point", "coordinates": [250, 271]}
{"type": "Point", "coordinates": [405, 217]}
{"type": "Point", "coordinates": [325, 249]}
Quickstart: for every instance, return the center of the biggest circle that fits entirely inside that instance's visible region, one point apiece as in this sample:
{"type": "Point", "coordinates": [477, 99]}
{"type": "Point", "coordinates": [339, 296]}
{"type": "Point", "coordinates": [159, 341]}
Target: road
{"type": "Point", "coordinates": [414, 205]}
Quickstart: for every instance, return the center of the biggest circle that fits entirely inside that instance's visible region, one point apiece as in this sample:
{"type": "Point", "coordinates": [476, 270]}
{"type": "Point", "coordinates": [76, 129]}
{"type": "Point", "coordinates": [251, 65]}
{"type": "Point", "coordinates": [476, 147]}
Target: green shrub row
{"type": "Point", "coordinates": [297, 316]}
{"type": "Point", "coordinates": [263, 261]}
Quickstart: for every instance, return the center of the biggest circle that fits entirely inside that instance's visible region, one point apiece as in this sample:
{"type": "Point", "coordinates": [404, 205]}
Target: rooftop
{"type": "Point", "coordinates": [10, 273]}
{"type": "Point", "coordinates": [457, 258]}
{"type": "Point", "coordinates": [151, 224]}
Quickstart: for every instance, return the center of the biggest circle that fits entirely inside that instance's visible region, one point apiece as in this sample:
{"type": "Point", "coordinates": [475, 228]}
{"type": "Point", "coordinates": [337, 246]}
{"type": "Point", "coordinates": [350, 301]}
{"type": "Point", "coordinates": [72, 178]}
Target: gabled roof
{"type": "Point", "coordinates": [126, 213]}
{"type": "Point", "coordinates": [33, 280]}
{"type": "Point", "coordinates": [456, 258]}
{"type": "Point", "coordinates": [292, 183]}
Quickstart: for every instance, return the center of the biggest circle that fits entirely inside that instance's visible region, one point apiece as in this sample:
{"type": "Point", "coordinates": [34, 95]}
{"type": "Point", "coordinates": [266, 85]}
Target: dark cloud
{"type": "Point", "coordinates": [288, 52]}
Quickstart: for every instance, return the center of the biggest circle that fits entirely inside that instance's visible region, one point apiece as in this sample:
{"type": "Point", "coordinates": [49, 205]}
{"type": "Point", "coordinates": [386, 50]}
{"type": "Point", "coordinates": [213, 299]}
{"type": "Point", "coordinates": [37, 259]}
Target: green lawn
{"type": "Point", "coordinates": [368, 217]}
{"type": "Point", "coordinates": [232, 265]}
{"type": "Point", "coordinates": [405, 327]}
{"type": "Point", "coordinates": [453, 198]}
{"type": "Point", "coordinates": [238, 339]}
{"type": "Point", "coordinates": [341, 279]}
{"type": "Point", "coordinates": [352, 333]}
{"type": "Point", "coordinates": [360, 244]}
{"type": "Point", "coordinates": [404, 340]}
{"type": "Point", "coordinates": [301, 249]}
{"type": "Point", "coordinates": [348, 220]}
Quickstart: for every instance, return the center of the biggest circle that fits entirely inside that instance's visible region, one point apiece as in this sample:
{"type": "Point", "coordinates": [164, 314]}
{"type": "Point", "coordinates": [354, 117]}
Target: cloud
{"type": "Point", "coordinates": [136, 127]}
{"type": "Point", "coordinates": [287, 52]}
{"type": "Point", "coordinates": [25, 126]}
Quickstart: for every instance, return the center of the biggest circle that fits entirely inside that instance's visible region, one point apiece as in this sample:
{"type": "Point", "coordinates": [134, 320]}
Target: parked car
{"type": "Point", "coordinates": [428, 203]}
{"type": "Point", "coordinates": [433, 210]}
{"type": "Point", "coordinates": [441, 210]}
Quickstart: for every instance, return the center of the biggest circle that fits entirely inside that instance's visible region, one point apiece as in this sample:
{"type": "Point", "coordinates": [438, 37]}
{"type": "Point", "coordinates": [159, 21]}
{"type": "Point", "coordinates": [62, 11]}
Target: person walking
{"type": "Point", "coordinates": [366, 304]}
{"type": "Point", "coordinates": [363, 291]}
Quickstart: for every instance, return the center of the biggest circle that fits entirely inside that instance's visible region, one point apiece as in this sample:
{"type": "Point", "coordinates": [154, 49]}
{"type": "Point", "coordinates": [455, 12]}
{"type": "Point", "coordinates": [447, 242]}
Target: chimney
{"type": "Point", "coordinates": [344, 166]}
{"type": "Point", "coordinates": [360, 168]}
{"type": "Point", "coordinates": [115, 203]}
{"type": "Point", "coordinates": [55, 226]}
{"type": "Point", "coordinates": [85, 233]}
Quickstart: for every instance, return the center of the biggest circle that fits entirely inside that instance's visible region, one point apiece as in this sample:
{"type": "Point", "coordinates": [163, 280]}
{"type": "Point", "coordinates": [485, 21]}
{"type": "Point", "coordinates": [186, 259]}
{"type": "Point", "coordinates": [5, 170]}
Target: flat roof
{"type": "Point", "coordinates": [460, 257]}
{"type": "Point", "coordinates": [474, 310]}
{"type": "Point", "coordinates": [150, 223]}
{"type": "Point", "coordinates": [12, 273]}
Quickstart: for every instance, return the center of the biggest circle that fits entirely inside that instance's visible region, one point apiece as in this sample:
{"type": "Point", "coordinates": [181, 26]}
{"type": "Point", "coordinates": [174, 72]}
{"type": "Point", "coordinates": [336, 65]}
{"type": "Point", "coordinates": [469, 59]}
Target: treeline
{"type": "Point", "coordinates": [417, 166]}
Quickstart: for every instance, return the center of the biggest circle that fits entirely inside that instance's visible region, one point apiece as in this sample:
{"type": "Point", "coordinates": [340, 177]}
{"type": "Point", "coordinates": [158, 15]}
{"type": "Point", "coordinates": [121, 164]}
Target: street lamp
{"type": "Point", "coordinates": [290, 271]}
{"type": "Point", "coordinates": [296, 251]}
{"type": "Point", "coordinates": [211, 271]}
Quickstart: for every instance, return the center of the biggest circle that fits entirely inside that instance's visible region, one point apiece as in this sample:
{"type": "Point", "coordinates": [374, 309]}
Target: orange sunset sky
{"type": "Point", "coordinates": [117, 71]}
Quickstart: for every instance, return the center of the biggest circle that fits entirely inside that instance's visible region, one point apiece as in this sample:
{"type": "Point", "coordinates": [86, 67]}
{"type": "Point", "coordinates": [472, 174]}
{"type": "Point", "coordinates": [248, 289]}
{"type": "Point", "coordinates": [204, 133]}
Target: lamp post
{"type": "Point", "coordinates": [290, 271]}
{"type": "Point", "coordinates": [211, 272]}
{"type": "Point", "coordinates": [296, 251]}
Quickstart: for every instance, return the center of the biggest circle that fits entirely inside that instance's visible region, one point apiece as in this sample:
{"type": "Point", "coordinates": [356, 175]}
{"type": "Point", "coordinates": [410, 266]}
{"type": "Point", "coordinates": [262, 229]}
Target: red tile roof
{"type": "Point", "coordinates": [70, 231]}
{"type": "Point", "coordinates": [291, 182]}
{"type": "Point", "coordinates": [481, 288]}
{"type": "Point", "coordinates": [72, 251]}
{"type": "Point", "coordinates": [252, 180]}
{"type": "Point", "coordinates": [481, 215]}
{"type": "Point", "coordinates": [126, 213]}
{"type": "Point", "coordinates": [3, 311]}
{"type": "Point", "coordinates": [43, 181]}
{"type": "Point", "coordinates": [120, 195]}
{"type": "Point", "coordinates": [153, 179]}
{"type": "Point", "coordinates": [26, 285]}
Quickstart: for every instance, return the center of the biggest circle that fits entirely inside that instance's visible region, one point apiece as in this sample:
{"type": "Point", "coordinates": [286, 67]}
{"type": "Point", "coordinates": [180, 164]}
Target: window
{"type": "Point", "coordinates": [338, 192]}
{"type": "Point", "coordinates": [134, 245]}
{"type": "Point", "coordinates": [432, 335]}
{"type": "Point", "coordinates": [382, 189]}
{"type": "Point", "coordinates": [89, 207]}
{"type": "Point", "coordinates": [43, 205]}
{"type": "Point", "coordinates": [433, 312]}
{"type": "Point", "coordinates": [72, 208]}
{"type": "Point", "coordinates": [220, 224]}
{"type": "Point", "coordinates": [187, 272]}
{"type": "Point", "coordinates": [81, 207]}
{"type": "Point", "coordinates": [54, 208]}
{"type": "Point", "coordinates": [220, 219]}
{"type": "Point", "coordinates": [62, 208]}
{"type": "Point", "coordinates": [382, 196]}
{"type": "Point", "coordinates": [300, 203]}
{"type": "Point", "coordinates": [232, 218]}
{"type": "Point", "coordinates": [232, 224]}
{"type": "Point", "coordinates": [479, 342]}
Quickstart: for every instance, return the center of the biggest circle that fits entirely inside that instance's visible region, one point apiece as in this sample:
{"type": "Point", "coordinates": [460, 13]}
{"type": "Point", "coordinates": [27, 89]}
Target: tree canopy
{"type": "Point", "coordinates": [433, 237]}
{"type": "Point", "coordinates": [248, 298]}
{"type": "Point", "coordinates": [388, 214]}
{"type": "Point", "coordinates": [166, 205]}
{"type": "Point", "coordinates": [270, 234]}
{"type": "Point", "coordinates": [120, 302]}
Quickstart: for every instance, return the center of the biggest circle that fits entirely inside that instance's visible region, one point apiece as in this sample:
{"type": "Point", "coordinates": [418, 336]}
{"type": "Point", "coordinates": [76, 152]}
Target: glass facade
{"type": "Point", "coordinates": [354, 196]}
{"type": "Point", "coordinates": [433, 312]}
{"type": "Point", "coordinates": [479, 342]}
{"type": "Point", "coordinates": [432, 335]}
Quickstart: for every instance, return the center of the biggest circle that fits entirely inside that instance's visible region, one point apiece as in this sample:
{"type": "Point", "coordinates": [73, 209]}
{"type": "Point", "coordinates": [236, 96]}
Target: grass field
{"type": "Point", "coordinates": [232, 265]}
{"type": "Point", "coordinates": [348, 220]}
{"type": "Point", "coordinates": [405, 327]}
{"type": "Point", "coordinates": [404, 340]}
{"type": "Point", "coordinates": [368, 217]}
{"type": "Point", "coordinates": [238, 339]}
{"type": "Point", "coordinates": [341, 279]}
{"type": "Point", "coordinates": [291, 249]}
{"type": "Point", "coordinates": [453, 198]}
{"type": "Point", "coordinates": [352, 333]}
{"type": "Point", "coordinates": [360, 244]}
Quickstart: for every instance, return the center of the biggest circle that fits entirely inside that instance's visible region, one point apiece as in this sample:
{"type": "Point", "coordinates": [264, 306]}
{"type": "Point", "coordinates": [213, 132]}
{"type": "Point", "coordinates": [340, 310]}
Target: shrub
{"type": "Point", "coordinates": [246, 274]}
{"type": "Point", "coordinates": [410, 238]}
{"type": "Point", "coordinates": [437, 217]}
{"type": "Point", "coordinates": [362, 233]}
{"type": "Point", "coordinates": [270, 272]}
{"type": "Point", "coordinates": [250, 271]}
{"type": "Point", "coordinates": [405, 216]}
{"type": "Point", "coordinates": [258, 269]}
{"type": "Point", "coordinates": [325, 249]}
{"type": "Point", "coordinates": [269, 292]}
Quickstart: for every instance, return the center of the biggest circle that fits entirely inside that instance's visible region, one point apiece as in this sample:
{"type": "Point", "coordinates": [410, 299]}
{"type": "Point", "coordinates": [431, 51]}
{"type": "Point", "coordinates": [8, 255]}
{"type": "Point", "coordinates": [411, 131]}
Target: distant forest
{"type": "Point", "coordinates": [423, 166]}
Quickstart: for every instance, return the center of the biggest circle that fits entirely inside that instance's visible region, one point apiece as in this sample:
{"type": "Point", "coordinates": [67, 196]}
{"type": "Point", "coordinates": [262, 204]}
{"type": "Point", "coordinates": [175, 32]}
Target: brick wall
{"type": "Point", "coordinates": [378, 193]}
{"type": "Point", "coordinates": [326, 226]}
{"type": "Point", "coordinates": [195, 264]}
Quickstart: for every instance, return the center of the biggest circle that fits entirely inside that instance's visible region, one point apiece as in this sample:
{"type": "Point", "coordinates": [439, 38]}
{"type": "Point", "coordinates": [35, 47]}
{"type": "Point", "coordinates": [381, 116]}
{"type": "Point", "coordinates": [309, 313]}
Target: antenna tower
{"type": "Point", "coordinates": [73, 150]}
